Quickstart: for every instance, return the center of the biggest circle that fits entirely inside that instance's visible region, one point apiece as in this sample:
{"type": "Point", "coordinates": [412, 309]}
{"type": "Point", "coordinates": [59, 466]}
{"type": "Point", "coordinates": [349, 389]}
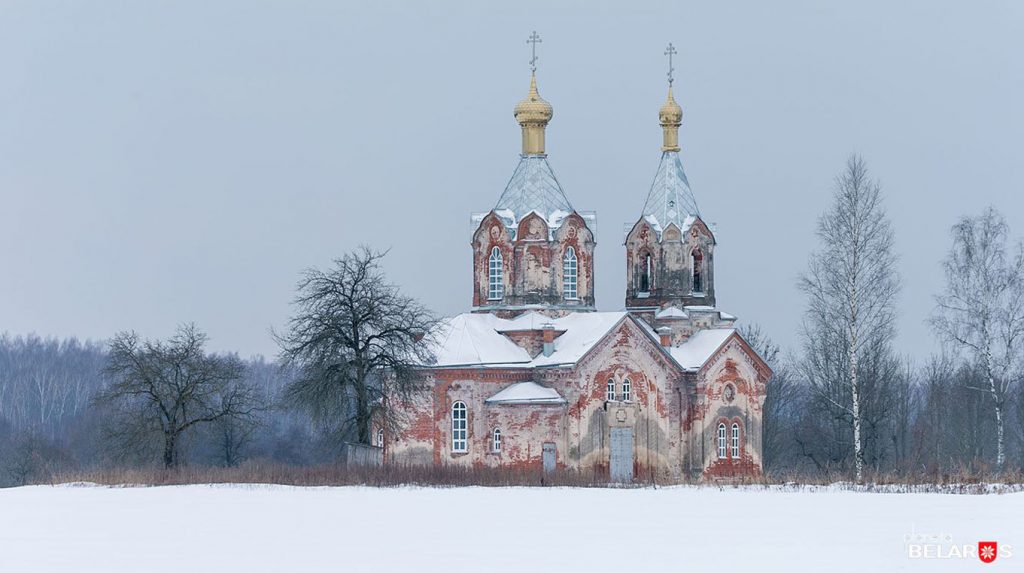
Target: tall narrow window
{"type": "Point", "coordinates": [496, 440]}
{"type": "Point", "coordinates": [627, 390]}
{"type": "Point", "coordinates": [721, 442]}
{"type": "Point", "coordinates": [698, 271]}
{"type": "Point", "coordinates": [495, 276]}
{"type": "Point", "coordinates": [609, 393]}
{"type": "Point", "coordinates": [380, 438]}
{"type": "Point", "coordinates": [569, 266]}
{"type": "Point", "coordinates": [735, 441]}
{"type": "Point", "coordinates": [459, 441]}
{"type": "Point", "coordinates": [645, 274]}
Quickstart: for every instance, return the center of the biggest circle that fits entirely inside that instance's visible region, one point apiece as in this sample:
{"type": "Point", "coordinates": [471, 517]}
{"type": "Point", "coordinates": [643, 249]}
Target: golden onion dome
{"type": "Point", "coordinates": [533, 110]}
{"type": "Point", "coordinates": [670, 113]}
{"type": "Point", "coordinates": [533, 115]}
{"type": "Point", "coordinates": [671, 117]}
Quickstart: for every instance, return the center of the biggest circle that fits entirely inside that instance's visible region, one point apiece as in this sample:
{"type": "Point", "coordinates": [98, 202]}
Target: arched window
{"type": "Point", "coordinates": [627, 390]}
{"type": "Point", "coordinates": [721, 442]}
{"type": "Point", "coordinates": [609, 393]}
{"type": "Point", "coordinates": [496, 440]}
{"type": "Point", "coordinates": [645, 273]}
{"type": "Point", "coordinates": [380, 438]}
{"type": "Point", "coordinates": [495, 276]}
{"type": "Point", "coordinates": [569, 266]}
{"type": "Point", "coordinates": [735, 441]}
{"type": "Point", "coordinates": [459, 441]}
{"type": "Point", "coordinates": [698, 271]}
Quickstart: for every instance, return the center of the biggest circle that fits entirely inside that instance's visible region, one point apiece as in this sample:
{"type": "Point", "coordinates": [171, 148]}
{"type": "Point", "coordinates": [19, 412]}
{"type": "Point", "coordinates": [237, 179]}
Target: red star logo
{"type": "Point", "coordinates": [987, 551]}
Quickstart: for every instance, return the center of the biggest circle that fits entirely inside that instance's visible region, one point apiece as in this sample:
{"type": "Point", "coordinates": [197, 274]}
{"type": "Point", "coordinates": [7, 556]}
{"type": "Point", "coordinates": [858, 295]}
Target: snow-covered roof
{"type": "Point", "coordinates": [471, 339]}
{"type": "Point", "coordinates": [700, 347]}
{"type": "Point", "coordinates": [670, 199]}
{"type": "Point", "coordinates": [582, 331]}
{"type": "Point", "coordinates": [671, 312]}
{"type": "Point", "coordinates": [526, 393]}
{"type": "Point", "coordinates": [533, 188]}
{"type": "Point", "coordinates": [476, 339]}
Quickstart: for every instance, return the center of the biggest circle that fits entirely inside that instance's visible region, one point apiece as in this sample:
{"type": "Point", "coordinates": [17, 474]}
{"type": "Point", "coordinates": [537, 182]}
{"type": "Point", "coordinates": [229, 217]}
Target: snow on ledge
{"type": "Point", "coordinates": [671, 313]}
{"type": "Point", "coordinates": [526, 393]}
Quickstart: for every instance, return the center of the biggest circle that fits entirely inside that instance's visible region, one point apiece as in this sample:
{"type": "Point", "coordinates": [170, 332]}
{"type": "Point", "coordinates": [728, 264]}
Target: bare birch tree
{"type": "Point", "coordinates": [357, 342]}
{"type": "Point", "coordinates": [981, 312]}
{"type": "Point", "coordinates": [851, 285]}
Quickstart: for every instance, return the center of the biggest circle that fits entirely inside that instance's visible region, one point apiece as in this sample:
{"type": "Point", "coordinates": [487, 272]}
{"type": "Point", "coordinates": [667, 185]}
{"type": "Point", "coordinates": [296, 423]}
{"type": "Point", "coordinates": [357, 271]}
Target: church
{"type": "Point", "coordinates": [534, 376]}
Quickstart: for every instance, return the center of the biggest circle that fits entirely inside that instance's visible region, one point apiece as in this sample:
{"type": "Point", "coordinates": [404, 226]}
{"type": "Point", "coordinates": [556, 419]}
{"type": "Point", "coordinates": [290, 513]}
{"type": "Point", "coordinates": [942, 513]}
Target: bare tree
{"type": "Point", "coordinates": [781, 404]}
{"type": "Point", "coordinates": [954, 428]}
{"type": "Point", "coordinates": [167, 388]}
{"type": "Point", "coordinates": [981, 312]}
{"type": "Point", "coordinates": [852, 285]}
{"type": "Point", "coordinates": [357, 341]}
{"type": "Point", "coordinates": [904, 399]}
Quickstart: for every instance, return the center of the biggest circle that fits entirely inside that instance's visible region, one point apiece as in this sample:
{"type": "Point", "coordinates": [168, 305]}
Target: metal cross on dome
{"type": "Point", "coordinates": [534, 39]}
{"type": "Point", "coordinates": [669, 52]}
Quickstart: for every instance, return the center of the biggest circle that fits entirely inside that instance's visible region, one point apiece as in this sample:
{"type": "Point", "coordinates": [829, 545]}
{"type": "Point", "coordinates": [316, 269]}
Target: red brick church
{"type": "Point", "coordinates": [535, 376]}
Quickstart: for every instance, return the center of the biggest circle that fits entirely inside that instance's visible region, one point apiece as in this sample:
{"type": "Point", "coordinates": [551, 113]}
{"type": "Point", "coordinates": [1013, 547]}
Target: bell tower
{"type": "Point", "coordinates": [533, 250]}
{"type": "Point", "coordinates": [670, 250]}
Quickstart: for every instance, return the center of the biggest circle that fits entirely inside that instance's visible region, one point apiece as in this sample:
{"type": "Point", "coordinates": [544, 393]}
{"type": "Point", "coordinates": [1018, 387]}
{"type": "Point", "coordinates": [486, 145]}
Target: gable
{"type": "Point", "coordinates": [574, 227]}
{"type": "Point", "coordinates": [699, 228]}
{"type": "Point", "coordinates": [491, 230]}
{"type": "Point", "coordinates": [629, 332]}
{"type": "Point", "coordinates": [642, 233]}
{"type": "Point", "coordinates": [736, 347]}
{"type": "Point", "coordinates": [532, 228]}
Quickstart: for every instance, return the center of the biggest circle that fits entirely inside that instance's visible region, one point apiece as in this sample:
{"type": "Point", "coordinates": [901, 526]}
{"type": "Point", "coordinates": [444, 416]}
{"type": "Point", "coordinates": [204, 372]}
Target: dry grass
{"type": "Point", "coordinates": [389, 475]}
{"type": "Point", "coordinates": [256, 472]}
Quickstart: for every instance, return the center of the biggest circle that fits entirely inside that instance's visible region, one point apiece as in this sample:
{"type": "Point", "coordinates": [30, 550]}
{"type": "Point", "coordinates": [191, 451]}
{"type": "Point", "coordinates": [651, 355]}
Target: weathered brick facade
{"type": "Point", "coordinates": [673, 413]}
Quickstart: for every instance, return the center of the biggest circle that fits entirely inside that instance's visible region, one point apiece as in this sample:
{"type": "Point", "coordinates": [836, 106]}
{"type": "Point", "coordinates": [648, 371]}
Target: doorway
{"type": "Point", "coordinates": [621, 457]}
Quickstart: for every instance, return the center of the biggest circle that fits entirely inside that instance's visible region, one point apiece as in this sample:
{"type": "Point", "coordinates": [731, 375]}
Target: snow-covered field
{"type": "Point", "coordinates": [289, 529]}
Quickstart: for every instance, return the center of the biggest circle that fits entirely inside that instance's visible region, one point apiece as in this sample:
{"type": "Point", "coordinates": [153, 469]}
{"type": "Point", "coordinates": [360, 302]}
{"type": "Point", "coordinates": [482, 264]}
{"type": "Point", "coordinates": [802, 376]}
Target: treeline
{"type": "Point", "coordinates": [848, 403]}
{"type": "Point", "coordinates": [52, 419]}
{"type": "Point", "coordinates": [921, 422]}
{"type": "Point", "coordinates": [348, 356]}
{"type": "Point", "coordinates": [926, 422]}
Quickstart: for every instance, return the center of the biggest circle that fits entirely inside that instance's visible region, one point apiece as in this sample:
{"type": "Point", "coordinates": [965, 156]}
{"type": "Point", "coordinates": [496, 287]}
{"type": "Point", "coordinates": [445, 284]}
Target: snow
{"type": "Point", "coordinates": [697, 349]}
{"type": "Point", "coordinates": [276, 528]}
{"type": "Point", "coordinates": [526, 321]}
{"type": "Point", "coordinates": [671, 312]}
{"type": "Point", "coordinates": [582, 331]}
{"type": "Point", "coordinates": [475, 339]}
{"type": "Point", "coordinates": [470, 339]}
{"type": "Point", "coordinates": [526, 393]}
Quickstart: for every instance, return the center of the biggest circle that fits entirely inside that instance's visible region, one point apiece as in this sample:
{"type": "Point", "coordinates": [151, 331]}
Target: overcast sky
{"type": "Point", "coordinates": [163, 162]}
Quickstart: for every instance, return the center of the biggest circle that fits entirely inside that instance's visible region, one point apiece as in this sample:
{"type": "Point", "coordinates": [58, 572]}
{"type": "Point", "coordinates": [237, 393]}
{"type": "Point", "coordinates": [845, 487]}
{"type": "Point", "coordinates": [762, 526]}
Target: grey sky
{"type": "Point", "coordinates": [163, 162]}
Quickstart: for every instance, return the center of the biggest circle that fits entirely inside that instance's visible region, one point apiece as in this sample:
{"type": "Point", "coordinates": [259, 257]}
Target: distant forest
{"type": "Point", "coordinates": [50, 420]}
